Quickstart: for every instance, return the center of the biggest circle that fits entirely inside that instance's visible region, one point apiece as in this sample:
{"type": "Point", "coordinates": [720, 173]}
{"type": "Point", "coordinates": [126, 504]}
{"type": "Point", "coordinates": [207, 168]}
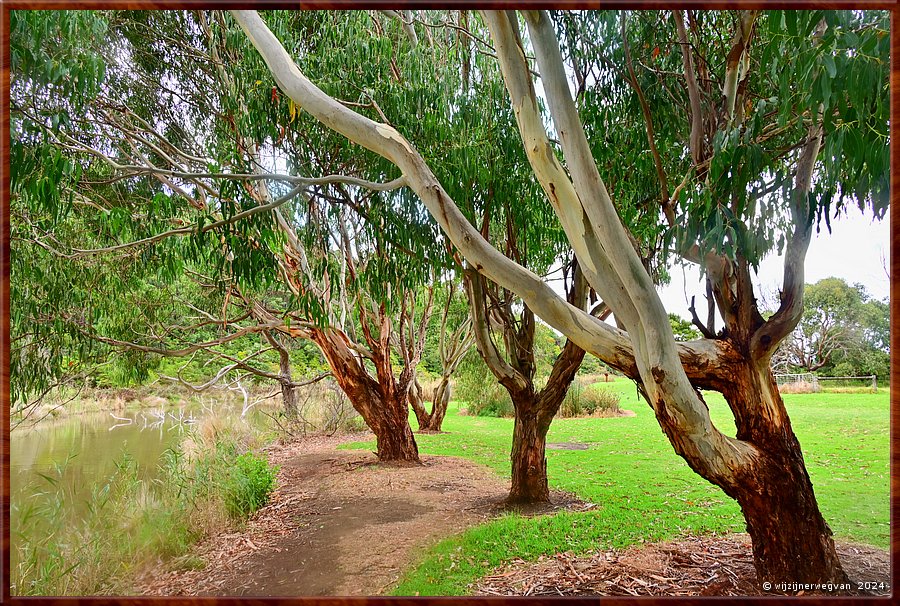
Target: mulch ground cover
{"type": "Point", "coordinates": [692, 566]}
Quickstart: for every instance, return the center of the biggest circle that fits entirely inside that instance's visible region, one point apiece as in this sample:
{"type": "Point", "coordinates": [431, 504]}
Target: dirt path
{"type": "Point", "coordinates": [342, 524]}
{"type": "Point", "coordinates": [339, 524]}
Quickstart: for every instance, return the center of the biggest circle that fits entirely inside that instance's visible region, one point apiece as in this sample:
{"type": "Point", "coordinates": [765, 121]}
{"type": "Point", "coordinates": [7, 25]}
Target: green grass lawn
{"type": "Point", "coordinates": [644, 492]}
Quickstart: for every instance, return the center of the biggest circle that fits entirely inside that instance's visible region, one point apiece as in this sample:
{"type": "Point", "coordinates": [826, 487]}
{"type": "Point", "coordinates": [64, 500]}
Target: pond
{"type": "Point", "coordinates": [68, 458]}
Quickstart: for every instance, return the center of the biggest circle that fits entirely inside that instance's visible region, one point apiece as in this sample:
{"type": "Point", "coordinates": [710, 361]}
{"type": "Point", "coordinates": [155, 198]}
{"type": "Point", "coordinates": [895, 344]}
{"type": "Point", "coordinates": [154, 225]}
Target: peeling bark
{"type": "Point", "coordinates": [534, 410]}
{"type": "Point", "coordinates": [791, 539]}
{"type": "Point", "coordinates": [529, 458]}
{"type": "Point", "coordinates": [381, 405]}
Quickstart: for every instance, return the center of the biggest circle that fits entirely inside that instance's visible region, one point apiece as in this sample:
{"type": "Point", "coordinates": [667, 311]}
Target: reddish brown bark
{"type": "Point", "coordinates": [529, 460]}
{"type": "Point", "coordinates": [534, 411]}
{"type": "Point", "coordinates": [381, 403]}
{"type": "Point", "coordinates": [417, 403]}
{"type": "Point", "coordinates": [791, 540]}
{"type": "Point", "coordinates": [440, 402]}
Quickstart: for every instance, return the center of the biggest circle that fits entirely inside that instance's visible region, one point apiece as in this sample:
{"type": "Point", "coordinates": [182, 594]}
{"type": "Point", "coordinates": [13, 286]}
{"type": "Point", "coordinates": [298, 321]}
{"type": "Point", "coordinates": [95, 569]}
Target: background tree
{"type": "Point", "coordinates": [454, 339]}
{"type": "Point", "coordinates": [682, 329]}
{"type": "Point", "coordinates": [754, 131]}
{"type": "Point", "coordinates": [842, 332]}
{"type": "Point", "coordinates": [173, 176]}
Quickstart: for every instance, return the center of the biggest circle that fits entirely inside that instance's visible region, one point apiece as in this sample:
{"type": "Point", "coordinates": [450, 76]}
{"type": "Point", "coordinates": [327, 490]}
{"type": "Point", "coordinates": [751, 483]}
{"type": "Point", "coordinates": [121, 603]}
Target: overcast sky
{"type": "Point", "coordinates": [857, 249]}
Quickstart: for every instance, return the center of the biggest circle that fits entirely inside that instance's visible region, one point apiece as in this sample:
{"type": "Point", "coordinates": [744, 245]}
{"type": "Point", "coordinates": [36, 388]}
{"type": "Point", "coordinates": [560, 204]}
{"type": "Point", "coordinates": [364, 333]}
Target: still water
{"type": "Point", "coordinates": [92, 443]}
{"type": "Point", "coordinates": [74, 456]}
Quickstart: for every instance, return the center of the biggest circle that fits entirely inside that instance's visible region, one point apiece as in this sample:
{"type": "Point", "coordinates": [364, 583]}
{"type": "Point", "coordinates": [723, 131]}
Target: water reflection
{"type": "Point", "coordinates": [75, 455]}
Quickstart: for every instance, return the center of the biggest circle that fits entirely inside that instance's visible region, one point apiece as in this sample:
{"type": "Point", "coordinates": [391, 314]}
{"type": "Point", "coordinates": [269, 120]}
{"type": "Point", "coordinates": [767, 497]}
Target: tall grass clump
{"type": "Point", "coordinates": [210, 483]}
{"type": "Point", "coordinates": [800, 387]}
{"type": "Point", "coordinates": [589, 401]}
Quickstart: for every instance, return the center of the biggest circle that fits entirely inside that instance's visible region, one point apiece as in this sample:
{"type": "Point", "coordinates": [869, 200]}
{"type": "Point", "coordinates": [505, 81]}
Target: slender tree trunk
{"type": "Point", "coordinates": [288, 391]}
{"type": "Point", "coordinates": [529, 460]}
{"type": "Point", "coordinates": [791, 540]}
{"type": "Point", "coordinates": [289, 399]}
{"type": "Point", "coordinates": [417, 403]}
{"type": "Point", "coordinates": [441, 399]}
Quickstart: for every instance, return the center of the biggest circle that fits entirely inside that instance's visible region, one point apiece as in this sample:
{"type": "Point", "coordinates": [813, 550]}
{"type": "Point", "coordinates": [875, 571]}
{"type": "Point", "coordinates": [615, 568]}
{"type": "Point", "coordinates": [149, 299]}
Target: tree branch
{"type": "Point", "coordinates": [648, 124]}
{"type": "Point", "coordinates": [184, 231]}
{"type": "Point", "coordinates": [608, 343]}
{"type": "Point", "coordinates": [770, 334]}
{"type": "Point", "coordinates": [696, 141]}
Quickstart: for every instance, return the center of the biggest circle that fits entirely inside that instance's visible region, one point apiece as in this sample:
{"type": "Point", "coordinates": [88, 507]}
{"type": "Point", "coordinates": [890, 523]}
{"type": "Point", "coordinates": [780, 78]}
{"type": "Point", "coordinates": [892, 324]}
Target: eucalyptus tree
{"type": "Point", "coordinates": [496, 311]}
{"type": "Point", "coordinates": [454, 340]}
{"type": "Point", "coordinates": [766, 146]}
{"type": "Point", "coordinates": [839, 323]}
{"type": "Point", "coordinates": [830, 324]}
{"type": "Point", "coordinates": [161, 161]}
{"type": "Point", "coordinates": [492, 183]}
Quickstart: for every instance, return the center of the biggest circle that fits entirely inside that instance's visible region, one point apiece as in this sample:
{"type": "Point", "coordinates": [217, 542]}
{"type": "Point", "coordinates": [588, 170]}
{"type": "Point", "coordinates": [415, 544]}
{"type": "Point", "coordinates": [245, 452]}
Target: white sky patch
{"type": "Point", "coordinates": [857, 250]}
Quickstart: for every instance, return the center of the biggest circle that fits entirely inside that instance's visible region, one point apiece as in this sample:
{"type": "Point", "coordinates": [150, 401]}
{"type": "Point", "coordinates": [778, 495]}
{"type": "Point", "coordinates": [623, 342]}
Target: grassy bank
{"type": "Point", "coordinates": [210, 482]}
{"type": "Point", "coordinates": [644, 492]}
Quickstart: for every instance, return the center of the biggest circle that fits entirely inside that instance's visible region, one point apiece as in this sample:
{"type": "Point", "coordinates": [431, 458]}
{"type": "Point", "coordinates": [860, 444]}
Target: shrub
{"type": "Point", "coordinates": [587, 401]}
{"type": "Point", "coordinates": [248, 485]}
{"type": "Point", "coordinates": [478, 387]}
{"type": "Point", "coordinates": [492, 401]}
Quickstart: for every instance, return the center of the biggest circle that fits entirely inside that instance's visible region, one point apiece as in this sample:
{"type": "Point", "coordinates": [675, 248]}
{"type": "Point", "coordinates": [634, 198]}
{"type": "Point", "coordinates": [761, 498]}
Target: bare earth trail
{"type": "Point", "coordinates": [342, 524]}
{"type": "Point", "coordinates": [339, 524]}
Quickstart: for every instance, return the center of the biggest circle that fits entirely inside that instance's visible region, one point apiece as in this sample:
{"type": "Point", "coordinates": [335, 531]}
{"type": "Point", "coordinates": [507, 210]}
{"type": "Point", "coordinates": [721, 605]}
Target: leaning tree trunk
{"type": "Point", "coordinates": [791, 540]}
{"type": "Point", "coordinates": [382, 407]}
{"type": "Point", "coordinates": [417, 403]}
{"type": "Point", "coordinates": [586, 201]}
{"type": "Point", "coordinates": [441, 400]}
{"type": "Point", "coordinates": [529, 460]}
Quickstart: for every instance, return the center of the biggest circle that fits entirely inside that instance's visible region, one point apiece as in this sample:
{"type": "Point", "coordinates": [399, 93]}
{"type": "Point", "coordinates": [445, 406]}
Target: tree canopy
{"type": "Point", "coordinates": [301, 160]}
{"type": "Point", "coordinates": [843, 332]}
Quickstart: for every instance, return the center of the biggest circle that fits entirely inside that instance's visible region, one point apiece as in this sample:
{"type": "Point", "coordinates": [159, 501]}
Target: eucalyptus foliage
{"type": "Point", "coordinates": [736, 203]}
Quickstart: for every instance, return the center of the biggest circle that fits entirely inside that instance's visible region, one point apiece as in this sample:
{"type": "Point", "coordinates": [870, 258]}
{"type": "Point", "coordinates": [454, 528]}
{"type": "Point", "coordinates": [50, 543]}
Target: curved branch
{"type": "Point", "coordinates": [407, 25]}
{"type": "Point", "coordinates": [593, 335]}
{"type": "Point", "coordinates": [586, 331]}
{"type": "Point", "coordinates": [648, 124]}
{"type": "Point", "coordinates": [770, 334]}
{"type": "Point", "coordinates": [177, 353]}
{"type": "Point", "coordinates": [681, 413]}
